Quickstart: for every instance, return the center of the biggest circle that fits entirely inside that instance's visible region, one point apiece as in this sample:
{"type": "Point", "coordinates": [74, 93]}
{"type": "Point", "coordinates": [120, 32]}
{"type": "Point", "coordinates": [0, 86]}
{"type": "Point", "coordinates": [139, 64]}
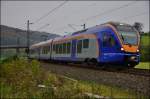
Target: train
{"type": "Point", "coordinates": [109, 43]}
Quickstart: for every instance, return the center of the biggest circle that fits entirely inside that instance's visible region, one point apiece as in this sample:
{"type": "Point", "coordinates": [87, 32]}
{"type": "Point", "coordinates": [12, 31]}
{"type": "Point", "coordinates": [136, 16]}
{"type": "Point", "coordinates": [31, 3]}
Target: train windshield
{"type": "Point", "coordinates": [127, 34]}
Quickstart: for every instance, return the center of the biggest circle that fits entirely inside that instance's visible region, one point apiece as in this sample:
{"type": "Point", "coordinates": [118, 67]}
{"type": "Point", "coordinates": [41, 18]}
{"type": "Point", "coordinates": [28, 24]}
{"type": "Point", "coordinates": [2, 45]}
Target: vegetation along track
{"type": "Point", "coordinates": [133, 80]}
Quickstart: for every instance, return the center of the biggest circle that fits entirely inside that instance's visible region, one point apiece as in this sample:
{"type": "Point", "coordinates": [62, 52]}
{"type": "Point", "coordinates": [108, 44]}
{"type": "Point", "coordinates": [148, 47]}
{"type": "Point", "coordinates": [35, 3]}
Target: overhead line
{"type": "Point", "coordinates": [71, 27]}
{"type": "Point", "coordinates": [133, 16]}
{"type": "Point", "coordinates": [111, 10]}
{"type": "Point", "coordinates": [140, 14]}
{"type": "Point", "coordinates": [54, 9]}
{"type": "Point", "coordinates": [42, 27]}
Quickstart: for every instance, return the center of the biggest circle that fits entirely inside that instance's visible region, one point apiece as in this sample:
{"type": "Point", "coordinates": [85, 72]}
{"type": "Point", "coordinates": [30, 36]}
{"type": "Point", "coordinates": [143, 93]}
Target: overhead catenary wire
{"type": "Point", "coordinates": [109, 11]}
{"type": "Point", "coordinates": [71, 27]}
{"type": "Point", "coordinates": [140, 14]}
{"type": "Point", "coordinates": [54, 9]}
{"type": "Point", "coordinates": [42, 27]}
{"type": "Point", "coordinates": [45, 15]}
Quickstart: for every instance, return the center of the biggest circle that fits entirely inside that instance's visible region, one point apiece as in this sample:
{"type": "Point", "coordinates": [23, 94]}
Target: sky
{"type": "Point", "coordinates": [71, 15]}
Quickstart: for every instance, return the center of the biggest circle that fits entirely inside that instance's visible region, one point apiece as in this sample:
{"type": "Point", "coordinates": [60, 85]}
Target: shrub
{"type": "Point", "coordinates": [21, 75]}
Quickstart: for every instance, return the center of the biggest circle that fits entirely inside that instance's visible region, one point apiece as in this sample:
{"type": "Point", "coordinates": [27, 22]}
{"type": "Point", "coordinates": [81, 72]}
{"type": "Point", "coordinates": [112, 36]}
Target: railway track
{"type": "Point", "coordinates": [134, 79]}
{"type": "Point", "coordinates": [140, 72]}
{"type": "Point", "coordinates": [132, 71]}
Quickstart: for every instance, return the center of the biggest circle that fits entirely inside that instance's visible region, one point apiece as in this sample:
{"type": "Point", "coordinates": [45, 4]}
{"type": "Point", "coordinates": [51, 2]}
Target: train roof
{"type": "Point", "coordinates": [43, 43]}
{"type": "Point", "coordinates": [36, 45]}
{"type": "Point", "coordinates": [91, 29]}
{"type": "Point", "coordinates": [85, 31]}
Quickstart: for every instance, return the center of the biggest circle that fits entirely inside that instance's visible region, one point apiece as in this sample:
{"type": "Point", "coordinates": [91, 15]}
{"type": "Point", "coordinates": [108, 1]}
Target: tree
{"type": "Point", "coordinates": [139, 26]}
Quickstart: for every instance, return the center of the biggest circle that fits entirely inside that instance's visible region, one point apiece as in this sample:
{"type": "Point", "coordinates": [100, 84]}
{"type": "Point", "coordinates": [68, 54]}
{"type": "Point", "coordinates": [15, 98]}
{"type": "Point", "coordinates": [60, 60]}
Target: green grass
{"type": "Point", "coordinates": [145, 40]}
{"type": "Point", "coordinates": [145, 48]}
{"type": "Point", "coordinates": [20, 79]}
{"type": "Point", "coordinates": [143, 65]}
{"type": "Point", "coordinates": [106, 90]}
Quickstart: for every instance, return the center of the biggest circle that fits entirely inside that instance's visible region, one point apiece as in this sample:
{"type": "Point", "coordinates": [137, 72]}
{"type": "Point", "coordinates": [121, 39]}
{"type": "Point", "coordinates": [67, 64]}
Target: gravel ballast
{"type": "Point", "coordinates": [124, 80]}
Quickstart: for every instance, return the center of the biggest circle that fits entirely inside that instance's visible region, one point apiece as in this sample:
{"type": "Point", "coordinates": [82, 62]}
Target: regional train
{"type": "Point", "coordinates": [109, 43]}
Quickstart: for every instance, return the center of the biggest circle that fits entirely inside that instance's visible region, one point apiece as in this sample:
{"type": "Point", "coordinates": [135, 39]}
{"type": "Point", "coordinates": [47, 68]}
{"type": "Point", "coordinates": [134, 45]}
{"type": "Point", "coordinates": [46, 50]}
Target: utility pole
{"type": "Point", "coordinates": [42, 27]}
{"type": "Point", "coordinates": [18, 43]}
{"type": "Point", "coordinates": [83, 26]}
{"type": "Point", "coordinates": [28, 37]}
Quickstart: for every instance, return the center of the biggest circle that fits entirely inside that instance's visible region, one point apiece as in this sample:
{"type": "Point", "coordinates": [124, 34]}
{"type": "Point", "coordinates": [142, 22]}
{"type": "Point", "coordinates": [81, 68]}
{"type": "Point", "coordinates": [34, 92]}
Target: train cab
{"type": "Point", "coordinates": [119, 44]}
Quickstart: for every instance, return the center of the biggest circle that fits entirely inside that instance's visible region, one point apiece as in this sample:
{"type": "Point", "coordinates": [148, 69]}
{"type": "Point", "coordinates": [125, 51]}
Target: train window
{"type": "Point", "coordinates": [79, 46]}
{"type": "Point", "coordinates": [68, 47]}
{"type": "Point", "coordinates": [57, 48]}
{"type": "Point", "coordinates": [48, 49]}
{"type": "Point", "coordinates": [108, 40]}
{"type": "Point", "coordinates": [45, 49]}
{"type": "Point", "coordinates": [60, 50]}
{"type": "Point", "coordinates": [112, 41]}
{"type": "Point", "coordinates": [85, 43]}
{"type": "Point", "coordinates": [64, 48]}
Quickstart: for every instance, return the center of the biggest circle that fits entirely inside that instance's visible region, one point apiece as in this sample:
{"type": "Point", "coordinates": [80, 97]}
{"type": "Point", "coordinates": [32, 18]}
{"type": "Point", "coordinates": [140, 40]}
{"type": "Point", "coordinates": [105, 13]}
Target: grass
{"type": "Point", "coordinates": [143, 65]}
{"type": "Point", "coordinates": [145, 48]}
{"type": "Point", "coordinates": [145, 40]}
{"type": "Point", "coordinates": [107, 90]}
{"type": "Point", "coordinates": [21, 78]}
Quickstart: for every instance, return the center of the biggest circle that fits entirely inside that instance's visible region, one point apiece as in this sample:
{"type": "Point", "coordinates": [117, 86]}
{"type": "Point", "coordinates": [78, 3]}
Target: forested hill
{"type": "Point", "coordinates": [15, 36]}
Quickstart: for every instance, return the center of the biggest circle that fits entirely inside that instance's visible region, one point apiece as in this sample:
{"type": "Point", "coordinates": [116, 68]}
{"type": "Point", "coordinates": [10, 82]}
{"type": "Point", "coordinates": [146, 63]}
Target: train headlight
{"type": "Point", "coordinates": [137, 50]}
{"type": "Point", "coordinates": [122, 49]}
{"type": "Point", "coordinates": [133, 58]}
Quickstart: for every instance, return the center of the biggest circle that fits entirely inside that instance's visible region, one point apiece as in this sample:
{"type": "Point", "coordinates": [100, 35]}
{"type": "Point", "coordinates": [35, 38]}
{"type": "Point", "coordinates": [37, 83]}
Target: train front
{"type": "Point", "coordinates": [129, 39]}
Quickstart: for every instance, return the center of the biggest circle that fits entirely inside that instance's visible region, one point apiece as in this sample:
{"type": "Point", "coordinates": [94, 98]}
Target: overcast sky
{"type": "Point", "coordinates": [16, 14]}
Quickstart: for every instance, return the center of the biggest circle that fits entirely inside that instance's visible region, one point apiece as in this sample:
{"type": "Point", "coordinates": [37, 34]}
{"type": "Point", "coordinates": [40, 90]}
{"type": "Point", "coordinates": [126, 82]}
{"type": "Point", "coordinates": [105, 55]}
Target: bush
{"type": "Point", "coordinates": [20, 79]}
{"type": "Point", "coordinates": [22, 76]}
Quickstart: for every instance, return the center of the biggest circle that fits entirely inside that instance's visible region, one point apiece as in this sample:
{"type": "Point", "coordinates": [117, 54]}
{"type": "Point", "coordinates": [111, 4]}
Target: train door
{"type": "Point", "coordinates": [73, 49]}
{"type": "Point", "coordinates": [108, 46]}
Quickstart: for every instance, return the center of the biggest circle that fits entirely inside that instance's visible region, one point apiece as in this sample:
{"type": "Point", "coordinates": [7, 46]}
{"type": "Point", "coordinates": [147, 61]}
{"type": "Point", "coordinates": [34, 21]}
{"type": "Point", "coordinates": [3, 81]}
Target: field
{"type": "Point", "coordinates": [24, 79]}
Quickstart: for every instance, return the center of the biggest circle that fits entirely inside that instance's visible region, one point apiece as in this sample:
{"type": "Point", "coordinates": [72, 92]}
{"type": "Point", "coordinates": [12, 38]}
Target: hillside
{"type": "Point", "coordinates": [14, 36]}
